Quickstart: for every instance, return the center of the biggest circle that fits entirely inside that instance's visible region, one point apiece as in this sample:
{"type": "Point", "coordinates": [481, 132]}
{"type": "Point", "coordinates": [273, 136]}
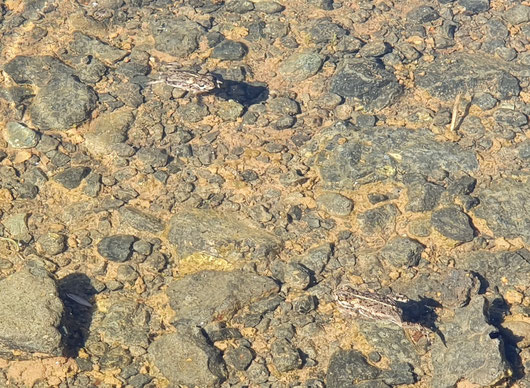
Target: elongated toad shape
{"type": "Point", "coordinates": [189, 81]}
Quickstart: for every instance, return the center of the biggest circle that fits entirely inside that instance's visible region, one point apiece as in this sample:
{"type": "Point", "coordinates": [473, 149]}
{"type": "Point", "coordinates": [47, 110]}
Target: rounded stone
{"type": "Point", "coordinates": [452, 223]}
{"type": "Point", "coordinates": [300, 66]}
{"type": "Point", "coordinates": [335, 204]}
{"type": "Point", "coordinates": [20, 136]}
{"type": "Point", "coordinates": [52, 243]}
{"type": "Point", "coordinates": [116, 248]}
{"type": "Point", "coordinates": [229, 50]}
{"type": "Point", "coordinates": [71, 177]}
{"type": "Point", "coordinates": [240, 358]}
{"type": "Point", "coordinates": [61, 104]}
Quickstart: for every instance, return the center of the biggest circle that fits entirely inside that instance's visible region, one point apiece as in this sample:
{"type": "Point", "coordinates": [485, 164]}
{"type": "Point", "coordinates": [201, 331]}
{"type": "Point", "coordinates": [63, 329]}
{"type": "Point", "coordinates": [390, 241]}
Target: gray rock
{"type": "Point", "coordinates": [126, 323]}
{"type": "Point", "coordinates": [206, 154]}
{"type": "Point", "coordinates": [58, 159]}
{"type": "Point", "coordinates": [229, 50]}
{"type": "Point", "coordinates": [16, 226]}
{"type": "Point", "coordinates": [348, 368]}
{"type": "Point", "coordinates": [504, 270]}
{"type": "Point", "coordinates": [367, 81]}
{"type": "Point", "coordinates": [305, 304]}
{"type": "Point", "coordinates": [465, 73]}
{"type": "Point", "coordinates": [402, 251]}
{"type": "Point", "coordinates": [374, 49]}
{"type": "Point", "coordinates": [324, 30]}
{"type": "Point", "coordinates": [116, 248]}
{"type": "Point", "coordinates": [316, 258]}
{"type": "Point", "coordinates": [229, 110]}
{"type": "Point", "coordinates": [172, 353]}
{"type": "Point", "coordinates": [239, 358]}
{"type": "Point", "coordinates": [61, 104]}
{"type": "Point", "coordinates": [93, 184]}
{"type": "Point", "coordinates": [484, 101]}
{"type": "Point", "coordinates": [335, 204]}
{"type": "Point", "coordinates": [269, 7]}
{"type": "Point", "coordinates": [208, 295]}
{"type": "Point", "coordinates": [452, 223]}
{"type": "Point", "coordinates": [470, 353]}
{"type": "Point", "coordinates": [294, 275]}
{"type": "Point", "coordinates": [518, 14]}
{"type": "Point", "coordinates": [457, 287]}
{"type": "Point", "coordinates": [31, 313]}
{"type": "Point", "coordinates": [140, 220]}
{"type": "Point", "coordinates": [239, 6]}
{"type": "Point", "coordinates": [453, 288]}
{"type": "Point", "coordinates": [47, 143]}
{"type": "Point", "coordinates": [379, 219]}
{"type": "Point", "coordinates": [422, 14]}
{"type": "Point", "coordinates": [347, 160]}
{"type": "Point", "coordinates": [258, 373]}
{"type": "Point", "coordinates": [391, 341]}
{"type": "Point", "coordinates": [193, 112]}
{"type": "Point", "coordinates": [129, 93]}
{"type": "Point", "coordinates": [71, 177]}
{"type": "Point", "coordinates": [524, 149]}
{"type": "Point", "coordinates": [284, 106]}
{"type": "Point", "coordinates": [178, 37]}
{"type": "Point", "coordinates": [26, 190]}
{"type": "Point", "coordinates": [153, 157]}
{"type": "Point", "coordinates": [35, 176]}
{"type": "Point", "coordinates": [86, 45]}
{"type": "Point", "coordinates": [475, 6]}
{"type": "Point", "coordinates": [117, 357]}
{"type": "Point", "coordinates": [108, 130]}
{"type": "Point", "coordinates": [422, 195]}
{"type": "Point", "coordinates": [28, 70]}
{"type": "Point", "coordinates": [52, 244]}
{"type": "Point", "coordinates": [510, 117]}
{"type": "Point", "coordinates": [504, 206]}
{"type": "Point", "coordinates": [220, 235]}
{"type": "Point", "coordinates": [284, 122]}
{"type": "Point", "coordinates": [285, 356]}
{"type": "Point", "coordinates": [300, 66]}
{"type": "Point", "coordinates": [19, 136]}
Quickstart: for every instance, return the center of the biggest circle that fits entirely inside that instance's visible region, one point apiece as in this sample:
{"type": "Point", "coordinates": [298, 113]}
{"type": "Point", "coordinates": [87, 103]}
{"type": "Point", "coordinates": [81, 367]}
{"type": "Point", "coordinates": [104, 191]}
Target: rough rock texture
{"type": "Point", "coordinates": [468, 338]}
{"type": "Point", "coordinates": [368, 82]}
{"type": "Point", "coordinates": [187, 358]}
{"type": "Point", "coordinates": [214, 295]}
{"type": "Point", "coordinates": [382, 153]}
{"type": "Point", "coordinates": [107, 130]}
{"type": "Point", "coordinates": [126, 323]}
{"type": "Point", "coordinates": [31, 313]}
{"type": "Point", "coordinates": [140, 220]}
{"type": "Point", "coordinates": [450, 75]}
{"type": "Point", "coordinates": [61, 104]}
{"type": "Point", "coordinates": [505, 207]}
{"type": "Point", "coordinates": [217, 234]}
{"type": "Point", "coordinates": [501, 269]}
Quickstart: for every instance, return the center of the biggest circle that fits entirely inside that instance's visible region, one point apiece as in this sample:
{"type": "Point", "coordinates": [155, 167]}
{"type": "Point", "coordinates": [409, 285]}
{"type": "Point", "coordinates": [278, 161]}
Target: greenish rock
{"type": "Point", "coordinates": [20, 136]}
{"type": "Point", "coordinates": [220, 235]}
{"type": "Point", "coordinates": [62, 104]}
{"type": "Point", "coordinates": [107, 130]}
{"type": "Point", "coordinates": [17, 228]}
{"type": "Point", "coordinates": [230, 110]}
{"type": "Point", "coordinates": [301, 66]}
